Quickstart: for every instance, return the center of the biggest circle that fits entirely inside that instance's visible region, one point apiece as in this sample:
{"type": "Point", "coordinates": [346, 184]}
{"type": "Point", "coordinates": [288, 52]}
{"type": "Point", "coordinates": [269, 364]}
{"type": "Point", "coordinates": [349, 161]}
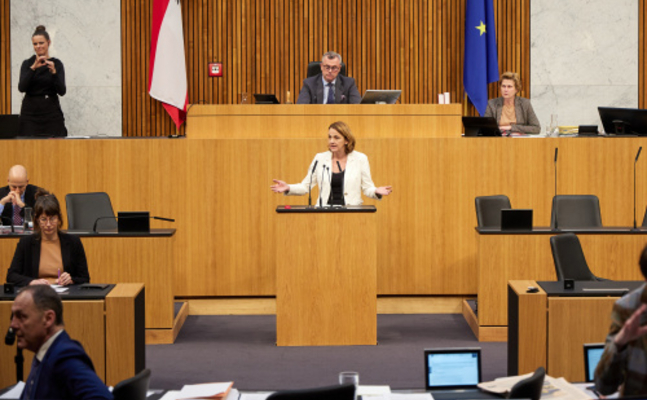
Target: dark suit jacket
{"type": "Point", "coordinates": [312, 91]}
{"type": "Point", "coordinates": [527, 121]}
{"type": "Point", "coordinates": [66, 372]}
{"type": "Point", "coordinates": [26, 259]}
{"type": "Point", "coordinates": [30, 193]}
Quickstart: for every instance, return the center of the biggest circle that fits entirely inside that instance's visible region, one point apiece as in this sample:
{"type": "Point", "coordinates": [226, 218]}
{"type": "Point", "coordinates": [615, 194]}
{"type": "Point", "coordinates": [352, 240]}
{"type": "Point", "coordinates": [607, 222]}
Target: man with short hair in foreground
{"type": "Point", "coordinates": [61, 369]}
{"type": "Point", "coordinates": [624, 361]}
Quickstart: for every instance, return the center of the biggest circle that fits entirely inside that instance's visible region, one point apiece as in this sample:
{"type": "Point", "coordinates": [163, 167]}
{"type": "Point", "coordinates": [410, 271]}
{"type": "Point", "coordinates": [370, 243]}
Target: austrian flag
{"type": "Point", "coordinates": [167, 74]}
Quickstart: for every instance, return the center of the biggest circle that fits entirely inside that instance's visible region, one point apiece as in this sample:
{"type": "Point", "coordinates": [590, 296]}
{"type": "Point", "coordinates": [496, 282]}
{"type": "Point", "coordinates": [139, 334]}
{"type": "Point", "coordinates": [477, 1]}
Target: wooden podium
{"type": "Point", "coordinates": [326, 278]}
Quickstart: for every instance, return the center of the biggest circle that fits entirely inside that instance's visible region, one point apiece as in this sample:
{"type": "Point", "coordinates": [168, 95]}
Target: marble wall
{"type": "Point", "coordinates": [584, 54]}
{"type": "Point", "coordinates": [86, 37]}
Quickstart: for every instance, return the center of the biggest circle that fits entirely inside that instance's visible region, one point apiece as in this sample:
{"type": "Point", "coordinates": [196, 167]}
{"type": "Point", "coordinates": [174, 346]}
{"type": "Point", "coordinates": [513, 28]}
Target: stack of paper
{"type": "Point", "coordinates": [554, 388]}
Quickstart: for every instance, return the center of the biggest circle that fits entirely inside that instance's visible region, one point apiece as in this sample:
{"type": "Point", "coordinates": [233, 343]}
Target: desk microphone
{"type": "Point", "coordinates": [13, 230]}
{"type": "Point", "coordinates": [10, 338]}
{"type": "Point", "coordinates": [323, 169]}
{"type": "Point", "coordinates": [342, 182]}
{"type": "Point", "coordinates": [635, 162]}
{"type": "Point", "coordinates": [96, 221]}
{"type": "Point", "coordinates": [310, 185]}
{"type": "Point", "coordinates": [556, 151]}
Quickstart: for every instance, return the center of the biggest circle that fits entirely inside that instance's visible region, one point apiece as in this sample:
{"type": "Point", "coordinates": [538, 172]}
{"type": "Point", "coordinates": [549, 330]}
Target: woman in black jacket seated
{"type": "Point", "coordinates": [48, 256]}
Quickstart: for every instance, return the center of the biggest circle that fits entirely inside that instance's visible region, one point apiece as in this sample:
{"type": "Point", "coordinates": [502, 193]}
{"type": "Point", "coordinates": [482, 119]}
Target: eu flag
{"type": "Point", "coordinates": [481, 64]}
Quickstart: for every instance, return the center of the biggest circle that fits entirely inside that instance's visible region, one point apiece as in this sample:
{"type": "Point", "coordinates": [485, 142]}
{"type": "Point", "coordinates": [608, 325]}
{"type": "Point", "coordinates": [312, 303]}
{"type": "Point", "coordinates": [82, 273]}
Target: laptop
{"type": "Point", "coordinates": [451, 369]}
{"type": "Point", "coordinates": [380, 96]}
{"type": "Point", "coordinates": [592, 354]}
{"type": "Point", "coordinates": [9, 126]}
{"type": "Point", "coordinates": [260, 98]}
{"type": "Point", "coordinates": [516, 219]}
{"type": "Point", "coordinates": [133, 222]}
{"type": "Point", "coordinates": [481, 126]}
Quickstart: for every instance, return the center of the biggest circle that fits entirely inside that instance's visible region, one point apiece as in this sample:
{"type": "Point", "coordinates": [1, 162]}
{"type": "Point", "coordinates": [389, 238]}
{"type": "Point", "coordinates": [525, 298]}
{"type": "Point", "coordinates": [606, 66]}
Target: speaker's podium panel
{"type": "Point", "coordinates": [326, 276]}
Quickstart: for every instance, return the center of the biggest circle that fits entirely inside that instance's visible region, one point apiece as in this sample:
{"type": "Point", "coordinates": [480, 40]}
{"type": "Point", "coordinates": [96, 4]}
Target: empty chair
{"type": "Point", "coordinates": [576, 212]}
{"type": "Point", "coordinates": [84, 210]}
{"type": "Point", "coordinates": [529, 388]}
{"type": "Point", "coordinates": [314, 68]}
{"type": "Point", "coordinates": [134, 388]}
{"type": "Point", "coordinates": [569, 259]}
{"type": "Point", "coordinates": [488, 210]}
{"type": "Point", "coordinates": [644, 225]}
{"type": "Point", "coordinates": [337, 392]}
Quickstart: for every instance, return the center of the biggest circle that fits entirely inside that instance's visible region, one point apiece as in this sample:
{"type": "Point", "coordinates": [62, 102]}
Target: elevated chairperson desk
{"type": "Point", "coordinates": [113, 257]}
{"type": "Point", "coordinates": [312, 120]}
{"type": "Point", "coordinates": [326, 279]}
{"type": "Point", "coordinates": [611, 253]}
{"type": "Point", "coordinates": [549, 328]}
{"type": "Point", "coordinates": [108, 323]}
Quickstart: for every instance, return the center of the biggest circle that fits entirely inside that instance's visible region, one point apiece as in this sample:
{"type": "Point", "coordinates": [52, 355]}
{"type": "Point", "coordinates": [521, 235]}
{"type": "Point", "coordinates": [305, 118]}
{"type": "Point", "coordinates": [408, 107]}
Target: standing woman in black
{"type": "Point", "coordinates": [42, 79]}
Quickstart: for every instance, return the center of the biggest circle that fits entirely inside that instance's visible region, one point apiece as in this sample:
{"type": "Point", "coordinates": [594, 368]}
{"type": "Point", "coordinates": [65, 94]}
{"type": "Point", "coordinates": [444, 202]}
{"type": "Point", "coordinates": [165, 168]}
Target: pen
{"type": "Point", "coordinates": [59, 276]}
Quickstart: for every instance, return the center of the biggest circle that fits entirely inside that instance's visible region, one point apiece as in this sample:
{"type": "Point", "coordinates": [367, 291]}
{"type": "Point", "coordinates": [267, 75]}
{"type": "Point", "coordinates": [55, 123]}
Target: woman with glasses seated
{"type": "Point", "coordinates": [48, 256]}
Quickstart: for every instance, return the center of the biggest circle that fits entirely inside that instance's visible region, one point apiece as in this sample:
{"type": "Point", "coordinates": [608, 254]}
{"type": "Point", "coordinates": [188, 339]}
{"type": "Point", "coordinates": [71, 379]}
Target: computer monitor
{"type": "Point", "coordinates": [481, 126]}
{"type": "Point", "coordinates": [133, 222]}
{"type": "Point", "coordinates": [452, 368]}
{"type": "Point", "coordinates": [260, 98]}
{"type": "Point", "coordinates": [381, 96]}
{"type": "Point", "coordinates": [592, 354]}
{"type": "Point", "coordinates": [624, 121]}
{"type": "Point", "coordinates": [9, 125]}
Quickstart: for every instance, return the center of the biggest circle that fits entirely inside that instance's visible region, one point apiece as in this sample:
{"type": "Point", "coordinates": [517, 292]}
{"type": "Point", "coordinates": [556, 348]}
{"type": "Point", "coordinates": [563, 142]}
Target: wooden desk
{"type": "Point", "coordinates": [516, 256]}
{"type": "Point", "coordinates": [128, 258]}
{"type": "Point", "coordinates": [312, 120]}
{"type": "Point", "coordinates": [549, 330]}
{"type": "Point", "coordinates": [326, 292]}
{"type": "Point", "coordinates": [109, 330]}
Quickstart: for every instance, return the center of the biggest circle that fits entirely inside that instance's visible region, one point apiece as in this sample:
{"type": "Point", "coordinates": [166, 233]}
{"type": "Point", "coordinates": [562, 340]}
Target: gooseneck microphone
{"type": "Point", "coordinates": [310, 185]}
{"type": "Point", "coordinates": [556, 223]}
{"type": "Point", "coordinates": [342, 182]}
{"type": "Point", "coordinates": [323, 169]}
{"type": "Point", "coordinates": [10, 337]}
{"type": "Point", "coordinates": [13, 230]}
{"type": "Point", "coordinates": [635, 162]}
{"type": "Point", "coordinates": [96, 221]}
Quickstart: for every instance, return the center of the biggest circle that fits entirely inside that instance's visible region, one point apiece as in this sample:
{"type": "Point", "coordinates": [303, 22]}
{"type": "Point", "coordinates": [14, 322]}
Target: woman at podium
{"type": "Point", "coordinates": [512, 113]}
{"type": "Point", "coordinates": [342, 173]}
{"type": "Point", "coordinates": [48, 256]}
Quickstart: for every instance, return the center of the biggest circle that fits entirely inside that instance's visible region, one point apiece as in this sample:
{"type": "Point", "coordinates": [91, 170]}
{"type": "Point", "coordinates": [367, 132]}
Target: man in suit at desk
{"type": "Point", "coordinates": [17, 195]}
{"type": "Point", "coordinates": [329, 87]}
{"type": "Point", "coordinates": [624, 361]}
{"type": "Point", "coordinates": [61, 369]}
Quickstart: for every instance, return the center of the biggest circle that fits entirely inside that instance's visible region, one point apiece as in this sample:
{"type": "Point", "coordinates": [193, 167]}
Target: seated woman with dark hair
{"type": "Point", "coordinates": [48, 256]}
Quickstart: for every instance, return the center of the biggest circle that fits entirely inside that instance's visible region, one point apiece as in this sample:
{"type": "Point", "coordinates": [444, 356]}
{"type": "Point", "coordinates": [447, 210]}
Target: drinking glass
{"type": "Point", "coordinates": [347, 377]}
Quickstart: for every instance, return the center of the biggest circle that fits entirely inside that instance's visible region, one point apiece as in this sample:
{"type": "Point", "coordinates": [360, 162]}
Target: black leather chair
{"type": "Point", "coordinates": [488, 210]}
{"type": "Point", "coordinates": [644, 225]}
{"type": "Point", "coordinates": [576, 212]}
{"type": "Point", "coordinates": [83, 210]}
{"type": "Point", "coordinates": [529, 388]}
{"type": "Point", "coordinates": [569, 259]}
{"type": "Point", "coordinates": [337, 392]}
{"type": "Point", "coordinates": [314, 68]}
{"type": "Point", "coordinates": [134, 388]}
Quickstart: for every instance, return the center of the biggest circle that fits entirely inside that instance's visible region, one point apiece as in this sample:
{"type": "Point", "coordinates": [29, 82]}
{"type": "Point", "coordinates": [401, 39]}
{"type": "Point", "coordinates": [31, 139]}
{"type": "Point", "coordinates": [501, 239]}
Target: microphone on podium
{"type": "Point", "coordinates": [310, 185]}
{"type": "Point", "coordinates": [556, 152]}
{"type": "Point", "coordinates": [96, 221]}
{"type": "Point", "coordinates": [635, 162]}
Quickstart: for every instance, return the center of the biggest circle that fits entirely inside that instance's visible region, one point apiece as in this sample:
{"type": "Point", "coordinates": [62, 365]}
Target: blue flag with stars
{"type": "Point", "coordinates": [481, 63]}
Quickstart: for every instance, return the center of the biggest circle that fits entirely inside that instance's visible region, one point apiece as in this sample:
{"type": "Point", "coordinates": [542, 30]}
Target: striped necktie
{"type": "Point", "coordinates": [331, 93]}
{"type": "Point", "coordinates": [17, 219]}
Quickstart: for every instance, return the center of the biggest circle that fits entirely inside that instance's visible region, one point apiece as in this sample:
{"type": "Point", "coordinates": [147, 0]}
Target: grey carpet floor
{"type": "Point", "coordinates": [242, 349]}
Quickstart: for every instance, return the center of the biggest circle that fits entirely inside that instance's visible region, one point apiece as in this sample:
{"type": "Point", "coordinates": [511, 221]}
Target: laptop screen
{"type": "Point", "coordinates": [457, 368]}
{"type": "Point", "coordinates": [592, 354]}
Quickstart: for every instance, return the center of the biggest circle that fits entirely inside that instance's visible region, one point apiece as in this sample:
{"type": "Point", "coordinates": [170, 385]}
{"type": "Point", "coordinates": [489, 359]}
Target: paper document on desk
{"type": "Point", "coordinates": [373, 390]}
{"type": "Point", "coordinates": [554, 388]}
{"type": "Point", "coordinates": [255, 395]}
{"type": "Point", "coordinates": [15, 391]}
{"type": "Point", "coordinates": [206, 391]}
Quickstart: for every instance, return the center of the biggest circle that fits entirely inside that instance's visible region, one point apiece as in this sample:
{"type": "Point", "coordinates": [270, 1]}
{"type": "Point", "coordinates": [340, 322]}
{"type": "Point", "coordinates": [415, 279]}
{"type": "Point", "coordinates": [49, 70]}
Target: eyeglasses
{"type": "Point", "coordinates": [47, 220]}
{"type": "Point", "coordinates": [334, 68]}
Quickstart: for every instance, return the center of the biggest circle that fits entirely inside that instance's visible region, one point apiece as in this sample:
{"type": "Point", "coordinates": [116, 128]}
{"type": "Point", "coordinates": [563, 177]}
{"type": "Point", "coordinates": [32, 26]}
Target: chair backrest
{"type": "Point", "coordinates": [488, 210]}
{"type": "Point", "coordinates": [569, 259]}
{"type": "Point", "coordinates": [83, 210]}
{"type": "Point", "coordinates": [576, 212]}
{"type": "Point", "coordinates": [529, 388]}
{"type": "Point", "coordinates": [644, 225]}
{"type": "Point", "coordinates": [314, 68]}
{"type": "Point", "coordinates": [337, 392]}
{"type": "Point", "coordinates": [134, 388]}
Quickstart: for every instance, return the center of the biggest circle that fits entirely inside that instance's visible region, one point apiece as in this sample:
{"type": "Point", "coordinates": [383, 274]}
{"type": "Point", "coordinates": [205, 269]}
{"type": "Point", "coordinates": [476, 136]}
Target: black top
{"type": "Point", "coordinates": [337, 189]}
{"type": "Point", "coordinates": [26, 260]}
{"type": "Point", "coordinates": [41, 82]}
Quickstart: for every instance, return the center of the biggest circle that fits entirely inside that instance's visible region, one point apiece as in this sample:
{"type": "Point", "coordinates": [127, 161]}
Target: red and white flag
{"type": "Point", "coordinates": [167, 75]}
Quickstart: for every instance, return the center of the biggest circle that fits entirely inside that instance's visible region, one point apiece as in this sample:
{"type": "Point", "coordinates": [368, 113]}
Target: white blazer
{"type": "Point", "coordinates": [357, 179]}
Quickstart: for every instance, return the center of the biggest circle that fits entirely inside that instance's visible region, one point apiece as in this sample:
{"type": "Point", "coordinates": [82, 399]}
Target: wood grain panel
{"type": "Point", "coordinates": [532, 326]}
{"type": "Point", "coordinates": [571, 323]}
{"type": "Point", "coordinates": [326, 280]}
{"type": "Point", "coordinates": [218, 192]}
{"type": "Point", "coordinates": [120, 332]}
{"type": "Point", "coordinates": [265, 45]}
